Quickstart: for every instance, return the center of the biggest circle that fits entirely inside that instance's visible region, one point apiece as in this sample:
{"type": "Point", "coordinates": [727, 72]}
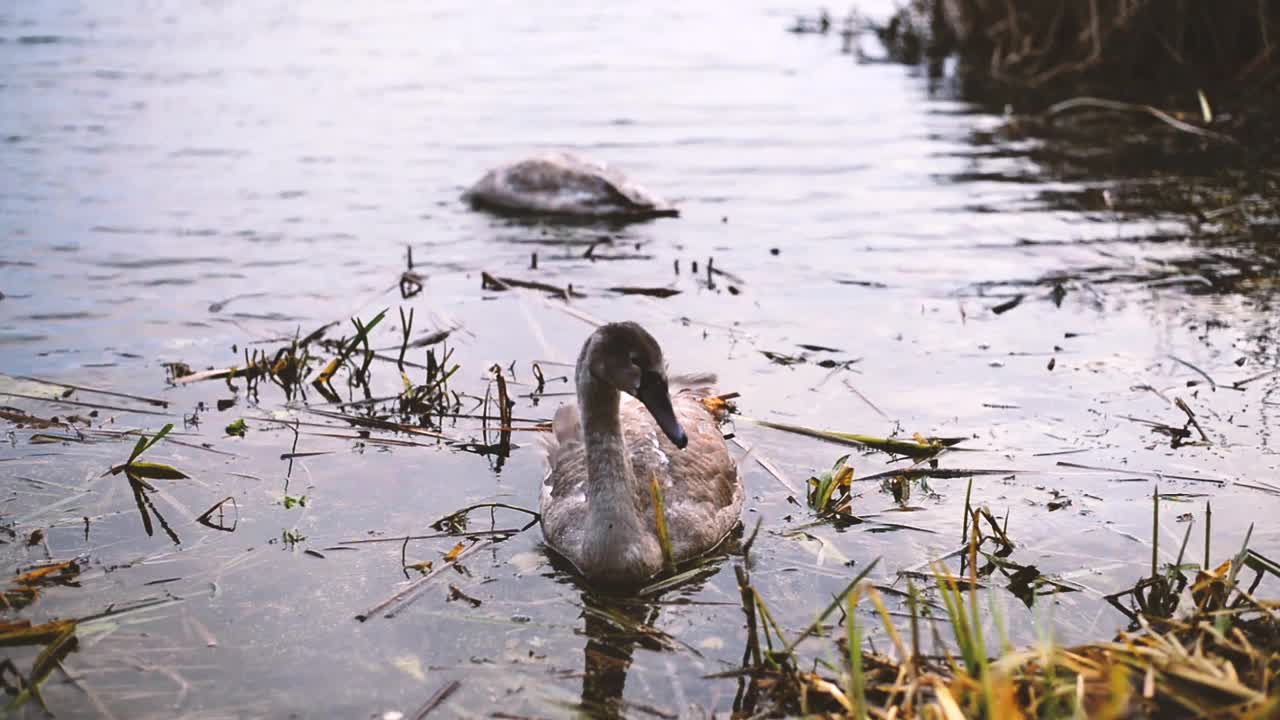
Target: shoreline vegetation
{"type": "Point", "coordinates": [1199, 83]}
{"type": "Point", "coordinates": [1177, 101]}
{"type": "Point", "coordinates": [1196, 83]}
{"type": "Point", "coordinates": [1199, 644]}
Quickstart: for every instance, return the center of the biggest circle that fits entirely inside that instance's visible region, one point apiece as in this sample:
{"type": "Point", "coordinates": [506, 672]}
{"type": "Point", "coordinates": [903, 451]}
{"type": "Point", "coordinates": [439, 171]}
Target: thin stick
{"type": "Point", "coordinates": [477, 506]}
{"type": "Point", "coordinates": [834, 604]}
{"type": "Point", "coordinates": [1162, 116]}
{"type": "Point", "coordinates": [74, 403]}
{"type": "Point", "coordinates": [1155, 529]}
{"type": "Point", "coordinates": [768, 466]}
{"type": "Point", "coordinates": [435, 536]}
{"type": "Point", "coordinates": [1191, 417]}
{"type": "Point", "coordinates": [1241, 383]}
{"type": "Point", "coordinates": [437, 698]}
{"type": "Point", "coordinates": [1197, 370]}
{"type": "Point", "coordinates": [748, 608]}
{"type": "Point", "coordinates": [864, 399]}
{"type": "Point", "coordinates": [141, 398]}
{"type": "Point", "coordinates": [1149, 473]}
{"type": "Point", "coordinates": [405, 595]}
{"type": "Point", "coordinates": [1208, 523]}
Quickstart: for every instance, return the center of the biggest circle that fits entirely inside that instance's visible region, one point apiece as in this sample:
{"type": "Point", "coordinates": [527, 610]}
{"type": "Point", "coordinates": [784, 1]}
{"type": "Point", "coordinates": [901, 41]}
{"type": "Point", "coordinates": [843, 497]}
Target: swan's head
{"type": "Point", "coordinates": [625, 356]}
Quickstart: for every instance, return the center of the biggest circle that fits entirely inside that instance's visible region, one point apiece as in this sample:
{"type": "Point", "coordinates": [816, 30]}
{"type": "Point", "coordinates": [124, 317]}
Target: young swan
{"type": "Point", "coordinates": [597, 506]}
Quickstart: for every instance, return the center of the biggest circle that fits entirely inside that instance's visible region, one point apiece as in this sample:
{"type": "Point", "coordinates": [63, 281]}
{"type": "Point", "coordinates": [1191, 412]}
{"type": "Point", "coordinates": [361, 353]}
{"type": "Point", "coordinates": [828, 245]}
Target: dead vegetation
{"type": "Point", "coordinates": [1227, 46]}
{"type": "Point", "coordinates": [1216, 656]}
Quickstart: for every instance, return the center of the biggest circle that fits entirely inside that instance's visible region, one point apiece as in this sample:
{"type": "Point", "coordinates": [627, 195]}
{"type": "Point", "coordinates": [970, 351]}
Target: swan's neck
{"type": "Point", "coordinates": [617, 536]}
{"type": "Point", "coordinates": [609, 473]}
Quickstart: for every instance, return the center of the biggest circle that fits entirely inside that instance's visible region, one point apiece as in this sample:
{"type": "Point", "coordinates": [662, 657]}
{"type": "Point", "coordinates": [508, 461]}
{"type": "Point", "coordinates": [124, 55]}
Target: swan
{"type": "Point", "coordinates": [566, 185]}
{"type": "Point", "coordinates": [596, 502]}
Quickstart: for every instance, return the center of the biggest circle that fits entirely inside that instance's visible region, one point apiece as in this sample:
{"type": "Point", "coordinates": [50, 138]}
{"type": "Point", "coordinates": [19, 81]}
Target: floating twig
{"type": "Point", "coordinates": [1198, 371]}
{"type": "Point", "coordinates": [140, 398]}
{"type": "Point", "coordinates": [1162, 116]}
{"type": "Point", "coordinates": [401, 599]}
{"type": "Point", "coordinates": [437, 698]}
{"type": "Point", "coordinates": [76, 403]}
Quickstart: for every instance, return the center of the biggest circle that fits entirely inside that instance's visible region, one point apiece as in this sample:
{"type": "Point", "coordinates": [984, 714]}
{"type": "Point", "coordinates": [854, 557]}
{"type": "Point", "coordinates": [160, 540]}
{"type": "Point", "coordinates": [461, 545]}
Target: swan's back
{"type": "Point", "coordinates": [564, 184]}
{"type": "Point", "coordinates": [701, 488]}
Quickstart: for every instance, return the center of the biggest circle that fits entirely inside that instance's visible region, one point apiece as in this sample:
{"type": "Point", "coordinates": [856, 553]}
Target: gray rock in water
{"type": "Point", "coordinates": [565, 184]}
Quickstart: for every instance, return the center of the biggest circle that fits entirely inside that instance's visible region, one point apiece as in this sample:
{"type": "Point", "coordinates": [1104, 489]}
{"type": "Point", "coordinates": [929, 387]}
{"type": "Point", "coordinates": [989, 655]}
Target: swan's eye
{"type": "Point", "coordinates": [635, 360]}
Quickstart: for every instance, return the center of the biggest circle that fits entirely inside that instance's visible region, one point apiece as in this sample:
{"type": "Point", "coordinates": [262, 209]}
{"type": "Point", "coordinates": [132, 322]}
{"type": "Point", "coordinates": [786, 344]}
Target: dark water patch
{"type": "Point", "coordinates": [207, 152]}
{"type": "Point", "coordinates": [196, 232]}
{"type": "Point", "coordinates": [54, 316]}
{"type": "Point", "coordinates": [159, 262]}
{"type": "Point", "coordinates": [181, 77]}
{"type": "Point", "coordinates": [45, 39]}
{"type": "Point", "coordinates": [255, 236]}
{"type": "Point", "coordinates": [125, 230]}
{"type": "Point", "coordinates": [270, 317]}
{"type": "Point", "coordinates": [282, 262]}
{"type": "Point", "coordinates": [1024, 178]}
{"type": "Point", "coordinates": [162, 282]}
{"type": "Point", "coordinates": [16, 338]}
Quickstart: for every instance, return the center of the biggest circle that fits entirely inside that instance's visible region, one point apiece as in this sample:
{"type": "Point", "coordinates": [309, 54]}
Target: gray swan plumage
{"type": "Point", "coordinates": [567, 185]}
{"type": "Point", "coordinates": [596, 503]}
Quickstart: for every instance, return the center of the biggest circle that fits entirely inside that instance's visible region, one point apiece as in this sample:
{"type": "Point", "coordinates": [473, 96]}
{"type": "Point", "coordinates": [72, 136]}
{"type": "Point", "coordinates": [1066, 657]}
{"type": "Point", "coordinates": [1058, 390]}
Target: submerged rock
{"type": "Point", "coordinates": [565, 184]}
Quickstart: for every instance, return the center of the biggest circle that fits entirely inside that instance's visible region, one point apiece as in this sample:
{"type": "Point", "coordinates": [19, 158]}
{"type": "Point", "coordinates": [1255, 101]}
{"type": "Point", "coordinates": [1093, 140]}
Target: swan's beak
{"type": "Point", "coordinates": [653, 393]}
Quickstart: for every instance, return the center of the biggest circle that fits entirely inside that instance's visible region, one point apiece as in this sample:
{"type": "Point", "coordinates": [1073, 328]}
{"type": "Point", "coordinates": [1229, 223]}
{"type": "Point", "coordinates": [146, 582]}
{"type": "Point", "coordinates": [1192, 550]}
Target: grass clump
{"type": "Point", "coordinates": [1218, 658]}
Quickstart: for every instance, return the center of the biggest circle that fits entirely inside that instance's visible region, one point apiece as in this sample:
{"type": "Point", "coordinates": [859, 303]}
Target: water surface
{"type": "Point", "coordinates": [183, 183]}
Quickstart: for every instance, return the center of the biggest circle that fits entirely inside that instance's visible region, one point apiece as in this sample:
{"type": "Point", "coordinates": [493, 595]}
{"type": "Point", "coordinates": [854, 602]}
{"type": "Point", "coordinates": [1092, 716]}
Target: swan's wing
{"type": "Point", "coordinates": [701, 487]}
{"type": "Point", "coordinates": [565, 455]}
{"type": "Point", "coordinates": [702, 382]}
{"type": "Point", "coordinates": [562, 497]}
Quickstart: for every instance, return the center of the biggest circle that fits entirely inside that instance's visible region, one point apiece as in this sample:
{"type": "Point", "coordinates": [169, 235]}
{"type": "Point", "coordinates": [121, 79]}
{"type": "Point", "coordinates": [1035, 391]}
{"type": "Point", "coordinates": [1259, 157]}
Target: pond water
{"type": "Point", "coordinates": [185, 183]}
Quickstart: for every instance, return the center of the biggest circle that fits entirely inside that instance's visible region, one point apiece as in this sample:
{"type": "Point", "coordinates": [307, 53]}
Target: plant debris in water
{"type": "Point", "coordinates": [1218, 659]}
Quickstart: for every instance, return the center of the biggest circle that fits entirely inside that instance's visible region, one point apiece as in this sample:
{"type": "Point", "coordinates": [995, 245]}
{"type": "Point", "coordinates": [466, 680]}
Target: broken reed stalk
{"type": "Point", "coordinates": [660, 522]}
{"type": "Point", "coordinates": [504, 400]}
{"type": "Point", "coordinates": [347, 349]}
{"type": "Point", "coordinates": [437, 699]}
{"type": "Point", "coordinates": [83, 388]}
{"type": "Point", "coordinates": [406, 328]}
{"type": "Point", "coordinates": [1183, 548]}
{"type": "Point", "coordinates": [401, 599]}
{"type": "Point", "coordinates": [95, 406]}
{"type": "Point", "coordinates": [745, 590]}
{"type": "Point", "coordinates": [456, 514]}
{"type": "Point", "coordinates": [857, 688]}
{"type": "Point", "coordinates": [1155, 531]}
{"type": "Point", "coordinates": [1208, 523]}
{"type": "Point", "coordinates": [835, 603]}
